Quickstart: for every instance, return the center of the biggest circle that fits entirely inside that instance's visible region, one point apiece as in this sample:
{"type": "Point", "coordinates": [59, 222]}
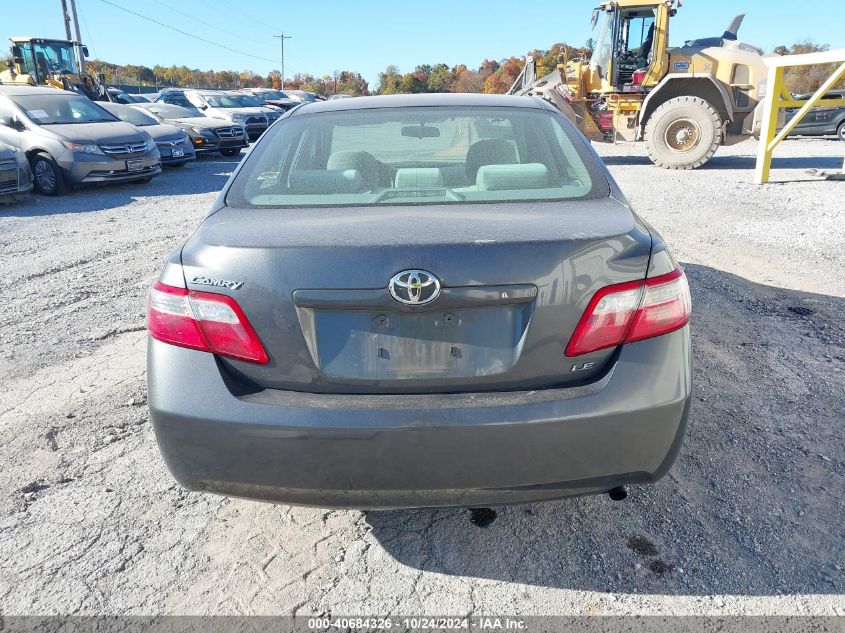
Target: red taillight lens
{"type": "Point", "coordinates": [204, 321]}
{"type": "Point", "coordinates": [632, 311]}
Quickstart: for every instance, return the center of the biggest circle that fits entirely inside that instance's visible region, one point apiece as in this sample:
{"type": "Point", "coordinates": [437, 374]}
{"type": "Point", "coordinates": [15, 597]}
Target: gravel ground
{"type": "Point", "coordinates": [749, 521]}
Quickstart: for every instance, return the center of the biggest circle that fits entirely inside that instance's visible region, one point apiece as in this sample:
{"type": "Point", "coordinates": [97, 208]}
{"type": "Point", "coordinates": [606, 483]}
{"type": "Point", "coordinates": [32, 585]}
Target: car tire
{"type": "Point", "coordinates": [231, 151]}
{"type": "Point", "coordinates": [47, 176]}
{"type": "Point", "coordinates": [683, 133]}
{"type": "Point", "coordinates": [840, 131]}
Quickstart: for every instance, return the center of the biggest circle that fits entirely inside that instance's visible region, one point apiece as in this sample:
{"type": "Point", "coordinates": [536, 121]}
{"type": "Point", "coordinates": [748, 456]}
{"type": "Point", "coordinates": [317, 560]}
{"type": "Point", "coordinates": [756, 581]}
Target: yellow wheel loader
{"type": "Point", "coordinates": [46, 62]}
{"type": "Point", "coordinates": [683, 102]}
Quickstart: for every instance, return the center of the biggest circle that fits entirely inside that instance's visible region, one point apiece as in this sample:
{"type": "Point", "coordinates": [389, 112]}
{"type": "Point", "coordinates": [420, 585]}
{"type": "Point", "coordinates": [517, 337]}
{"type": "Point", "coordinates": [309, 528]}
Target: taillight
{"type": "Point", "coordinates": [204, 321]}
{"type": "Point", "coordinates": [632, 311]}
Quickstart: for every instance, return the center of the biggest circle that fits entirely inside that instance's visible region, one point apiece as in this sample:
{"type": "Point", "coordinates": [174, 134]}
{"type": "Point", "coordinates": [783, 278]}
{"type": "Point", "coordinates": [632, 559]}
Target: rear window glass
{"type": "Point", "coordinates": [131, 115]}
{"type": "Point", "coordinates": [224, 101]}
{"type": "Point", "coordinates": [421, 155]}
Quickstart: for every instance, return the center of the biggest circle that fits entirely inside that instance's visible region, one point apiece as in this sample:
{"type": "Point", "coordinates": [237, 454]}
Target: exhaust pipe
{"type": "Point", "coordinates": [618, 494]}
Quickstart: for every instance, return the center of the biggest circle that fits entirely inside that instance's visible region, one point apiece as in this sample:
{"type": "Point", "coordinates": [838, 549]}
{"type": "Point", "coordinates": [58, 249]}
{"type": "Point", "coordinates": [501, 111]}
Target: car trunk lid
{"type": "Point", "coordinates": [514, 280]}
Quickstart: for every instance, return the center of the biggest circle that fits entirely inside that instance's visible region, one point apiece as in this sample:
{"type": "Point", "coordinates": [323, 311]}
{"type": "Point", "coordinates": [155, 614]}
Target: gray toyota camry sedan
{"type": "Point", "coordinates": [427, 300]}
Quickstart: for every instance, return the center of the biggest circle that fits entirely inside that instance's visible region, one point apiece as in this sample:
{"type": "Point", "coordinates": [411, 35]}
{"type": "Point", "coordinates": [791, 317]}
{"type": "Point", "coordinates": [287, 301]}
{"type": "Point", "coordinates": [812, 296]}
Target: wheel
{"type": "Point", "coordinates": [840, 131]}
{"type": "Point", "coordinates": [683, 133]}
{"type": "Point", "coordinates": [231, 151]}
{"type": "Point", "coordinates": [47, 175]}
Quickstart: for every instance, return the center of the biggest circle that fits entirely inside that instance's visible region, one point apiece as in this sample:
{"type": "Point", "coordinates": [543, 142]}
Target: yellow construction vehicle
{"type": "Point", "coordinates": [683, 102]}
{"type": "Point", "coordinates": [47, 62]}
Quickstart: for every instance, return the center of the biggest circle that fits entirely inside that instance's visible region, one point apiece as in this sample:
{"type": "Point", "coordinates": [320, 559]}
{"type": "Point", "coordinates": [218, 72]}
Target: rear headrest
{"type": "Point", "coordinates": [498, 177]}
{"type": "Point", "coordinates": [491, 151]}
{"type": "Point", "coordinates": [363, 162]}
{"type": "Point", "coordinates": [418, 178]}
{"type": "Point", "coordinates": [322, 182]}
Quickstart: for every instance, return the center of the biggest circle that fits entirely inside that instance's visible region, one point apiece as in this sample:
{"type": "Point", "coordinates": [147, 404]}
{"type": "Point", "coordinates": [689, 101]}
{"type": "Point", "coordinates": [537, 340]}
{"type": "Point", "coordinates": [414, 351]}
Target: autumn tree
{"type": "Point", "coordinates": [390, 81]}
{"type": "Point", "coordinates": [500, 81]}
{"type": "Point", "coordinates": [487, 68]}
{"type": "Point", "coordinates": [274, 80]}
{"type": "Point", "coordinates": [440, 79]}
{"type": "Point", "coordinates": [805, 79]}
{"type": "Point", "coordinates": [468, 81]}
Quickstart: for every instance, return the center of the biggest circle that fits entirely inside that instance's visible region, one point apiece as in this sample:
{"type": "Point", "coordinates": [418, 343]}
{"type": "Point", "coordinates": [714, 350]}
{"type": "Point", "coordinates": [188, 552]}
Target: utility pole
{"type": "Point", "coordinates": [78, 37]}
{"type": "Point", "coordinates": [282, 38]}
{"type": "Point", "coordinates": [66, 18]}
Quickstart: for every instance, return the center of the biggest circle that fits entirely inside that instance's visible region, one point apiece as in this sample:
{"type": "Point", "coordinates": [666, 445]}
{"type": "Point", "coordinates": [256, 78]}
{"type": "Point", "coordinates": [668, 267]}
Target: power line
{"type": "Point", "coordinates": [196, 37]}
{"type": "Point", "coordinates": [251, 23]}
{"type": "Point", "coordinates": [88, 38]}
{"type": "Point", "coordinates": [195, 19]}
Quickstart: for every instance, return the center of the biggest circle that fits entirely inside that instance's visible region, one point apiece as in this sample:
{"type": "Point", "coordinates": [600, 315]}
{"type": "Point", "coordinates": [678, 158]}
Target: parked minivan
{"type": "Point", "coordinates": [70, 140]}
{"type": "Point", "coordinates": [823, 120]}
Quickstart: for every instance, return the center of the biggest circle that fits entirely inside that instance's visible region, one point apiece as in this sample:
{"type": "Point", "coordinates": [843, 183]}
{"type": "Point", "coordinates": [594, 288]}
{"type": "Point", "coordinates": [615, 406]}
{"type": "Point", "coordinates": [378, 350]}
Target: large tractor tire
{"type": "Point", "coordinates": [683, 133]}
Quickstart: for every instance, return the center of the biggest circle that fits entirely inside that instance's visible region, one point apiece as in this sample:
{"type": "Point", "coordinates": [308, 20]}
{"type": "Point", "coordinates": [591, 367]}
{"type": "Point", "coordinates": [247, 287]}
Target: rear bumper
{"type": "Point", "coordinates": [254, 131]}
{"type": "Point", "coordinates": [216, 144]}
{"type": "Point", "coordinates": [167, 155]}
{"type": "Point", "coordinates": [421, 450]}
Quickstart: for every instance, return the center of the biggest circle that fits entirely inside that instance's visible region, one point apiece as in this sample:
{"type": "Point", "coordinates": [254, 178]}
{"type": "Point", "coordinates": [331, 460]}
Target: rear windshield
{"type": "Point", "coordinates": [167, 111]}
{"type": "Point", "coordinates": [248, 100]}
{"type": "Point", "coordinates": [223, 101]}
{"type": "Point", "coordinates": [422, 155]}
{"type": "Point", "coordinates": [131, 115]}
{"type": "Point", "coordinates": [271, 94]}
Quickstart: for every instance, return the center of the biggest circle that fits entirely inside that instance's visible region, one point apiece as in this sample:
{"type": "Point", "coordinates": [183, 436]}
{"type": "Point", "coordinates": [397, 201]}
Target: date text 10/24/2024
{"type": "Point", "coordinates": [417, 623]}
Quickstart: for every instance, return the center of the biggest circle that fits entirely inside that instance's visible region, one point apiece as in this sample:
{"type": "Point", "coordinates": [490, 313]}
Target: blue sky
{"type": "Point", "coordinates": [367, 35]}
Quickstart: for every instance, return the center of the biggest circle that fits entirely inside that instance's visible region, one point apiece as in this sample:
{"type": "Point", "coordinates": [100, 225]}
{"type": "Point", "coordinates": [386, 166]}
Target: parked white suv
{"type": "Point", "coordinates": [222, 105]}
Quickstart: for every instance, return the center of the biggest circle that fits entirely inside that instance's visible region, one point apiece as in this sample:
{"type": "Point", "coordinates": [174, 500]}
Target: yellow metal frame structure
{"type": "Point", "coordinates": [778, 97]}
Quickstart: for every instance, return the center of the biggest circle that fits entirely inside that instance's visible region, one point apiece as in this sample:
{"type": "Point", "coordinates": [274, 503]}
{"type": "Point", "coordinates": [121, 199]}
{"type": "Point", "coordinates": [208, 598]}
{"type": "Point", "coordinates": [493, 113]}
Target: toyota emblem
{"type": "Point", "coordinates": [414, 287]}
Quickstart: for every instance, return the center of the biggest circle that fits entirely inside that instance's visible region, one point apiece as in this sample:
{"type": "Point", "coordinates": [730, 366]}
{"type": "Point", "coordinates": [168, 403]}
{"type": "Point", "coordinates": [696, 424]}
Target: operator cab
{"type": "Point", "coordinates": [625, 48]}
{"type": "Point", "coordinates": [43, 58]}
{"type": "Point", "coordinates": [634, 37]}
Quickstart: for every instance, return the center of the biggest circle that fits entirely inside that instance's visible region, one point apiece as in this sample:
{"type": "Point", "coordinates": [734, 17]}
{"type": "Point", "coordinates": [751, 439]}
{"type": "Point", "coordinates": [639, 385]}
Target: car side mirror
{"type": "Point", "coordinates": [12, 122]}
{"type": "Point", "coordinates": [85, 51]}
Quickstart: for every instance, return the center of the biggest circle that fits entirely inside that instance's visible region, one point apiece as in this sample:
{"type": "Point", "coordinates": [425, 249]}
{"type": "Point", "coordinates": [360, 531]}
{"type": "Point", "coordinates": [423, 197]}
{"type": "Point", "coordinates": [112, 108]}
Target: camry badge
{"type": "Point", "coordinates": [202, 280]}
{"type": "Point", "coordinates": [414, 287]}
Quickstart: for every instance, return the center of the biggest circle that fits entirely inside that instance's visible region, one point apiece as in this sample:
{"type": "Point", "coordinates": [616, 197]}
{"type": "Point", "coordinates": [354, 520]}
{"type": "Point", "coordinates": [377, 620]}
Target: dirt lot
{"type": "Point", "coordinates": [749, 520]}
